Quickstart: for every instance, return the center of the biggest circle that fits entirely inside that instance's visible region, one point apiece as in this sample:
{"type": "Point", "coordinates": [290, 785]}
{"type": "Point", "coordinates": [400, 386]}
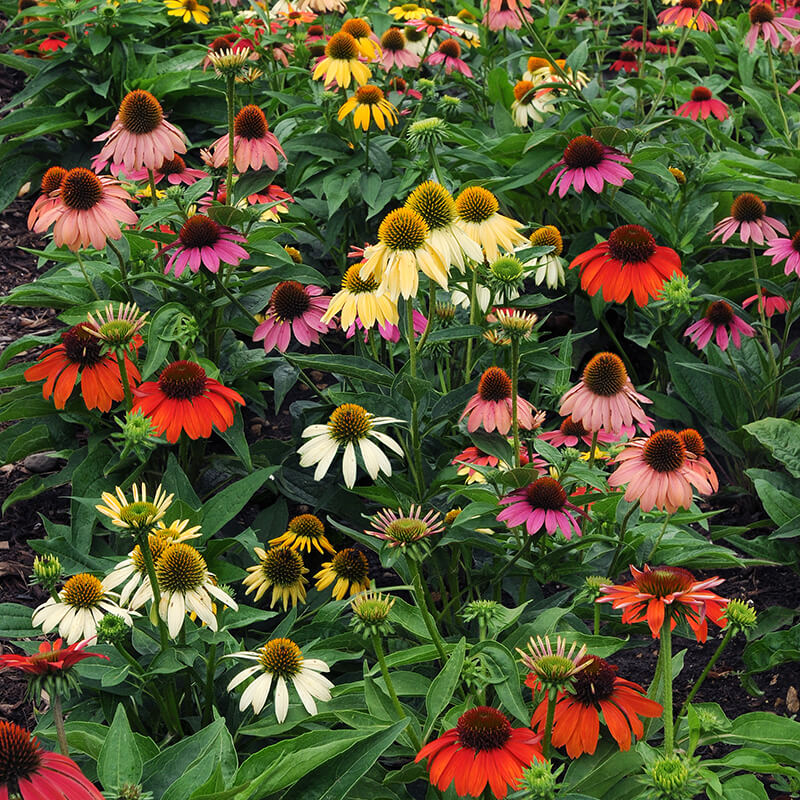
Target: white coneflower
{"type": "Point", "coordinates": [140, 514]}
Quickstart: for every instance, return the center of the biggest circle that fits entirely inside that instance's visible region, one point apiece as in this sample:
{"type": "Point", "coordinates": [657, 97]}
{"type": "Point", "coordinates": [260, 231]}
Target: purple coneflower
{"type": "Point", "coordinates": [203, 242]}
{"type": "Point", "coordinates": [296, 310]}
{"type": "Point", "coordinates": [541, 504]}
{"type": "Point", "coordinates": [749, 218]}
{"type": "Point", "coordinates": [721, 323]}
{"type": "Point", "coordinates": [587, 162]}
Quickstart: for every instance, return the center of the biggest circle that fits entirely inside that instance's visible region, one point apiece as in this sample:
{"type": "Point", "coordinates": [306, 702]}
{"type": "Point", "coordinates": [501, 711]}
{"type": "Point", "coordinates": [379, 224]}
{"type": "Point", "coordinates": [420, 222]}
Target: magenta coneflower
{"type": "Point", "coordinates": [688, 14]}
{"type": "Point", "coordinates": [174, 170]}
{"type": "Point", "coordinates": [721, 323]}
{"type": "Point", "coordinates": [448, 53]}
{"type": "Point", "coordinates": [772, 304]}
{"type": "Point", "coordinates": [541, 504]}
{"type": "Point", "coordinates": [503, 14]}
{"type": "Point", "coordinates": [605, 398]}
{"type": "Point", "coordinates": [51, 183]}
{"type": "Point", "coordinates": [395, 53]}
{"type": "Point", "coordinates": [702, 104]}
{"type": "Point", "coordinates": [627, 62]}
{"type": "Point", "coordinates": [140, 136]}
{"type": "Point", "coordinates": [399, 529]}
{"type": "Point", "coordinates": [587, 162]}
{"type": "Point", "coordinates": [490, 407]}
{"type": "Point", "coordinates": [570, 432]}
{"type": "Point", "coordinates": [788, 249]}
{"type": "Point", "coordinates": [748, 218]}
{"type": "Point", "coordinates": [253, 143]}
{"type": "Point", "coordinates": [766, 25]}
{"type": "Point", "coordinates": [204, 242]}
{"type": "Point", "coordinates": [296, 310]}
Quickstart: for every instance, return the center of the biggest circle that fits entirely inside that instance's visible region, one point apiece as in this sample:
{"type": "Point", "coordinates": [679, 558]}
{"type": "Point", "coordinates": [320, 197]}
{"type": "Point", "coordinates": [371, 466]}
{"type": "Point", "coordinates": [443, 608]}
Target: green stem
{"type": "Point", "coordinates": [126, 386]}
{"type": "Point", "coordinates": [144, 547]}
{"type": "Point", "coordinates": [211, 666]}
{"type": "Point", "coordinates": [431, 305]}
{"type": "Point", "coordinates": [152, 183]}
{"type": "Point", "coordinates": [123, 269]}
{"type": "Point", "coordinates": [230, 84]}
{"type": "Point", "coordinates": [593, 448]}
{"type": "Point", "coordinates": [778, 95]}
{"type": "Point", "coordinates": [416, 444]}
{"type": "Point", "coordinates": [366, 150]}
{"type": "Point", "coordinates": [612, 571]}
{"type": "Point", "coordinates": [514, 397]}
{"type": "Point", "coordinates": [422, 604]}
{"type": "Point", "coordinates": [58, 718]}
{"type": "Point", "coordinates": [86, 276]}
{"type": "Point", "coordinates": [596, 619]}
{"type": "Point", "coordinates": [548, 724]}
{"type": "Point", "coordinates": [765, 328]}
{"type": "Point", "coordinates": [666, 656]}
{"type": "Point", "coordinates": [713, 660]}
{"type": "Point", "coordinates": [659, 538]}
{"type": "Point", "coordinates": [473, 319]}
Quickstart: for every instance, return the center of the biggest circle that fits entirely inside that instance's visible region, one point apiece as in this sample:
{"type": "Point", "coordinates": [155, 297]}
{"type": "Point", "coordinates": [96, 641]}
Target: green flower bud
{"type": "Point", "coordinates": [46, 571]}
{"type": "Point", "coordinates": [112, 629]}
{"type": "Point", "coordinates": [539, 781]}
{"type": "Point", "coordinates": [741, 615]}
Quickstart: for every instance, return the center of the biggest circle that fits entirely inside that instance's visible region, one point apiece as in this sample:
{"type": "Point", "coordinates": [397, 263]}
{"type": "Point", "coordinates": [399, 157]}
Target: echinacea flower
{"type": "Point", "coordinates": [366, 40]}
{"type": "Point", "coordinates": [408, 11]}
{"type": "Point", "coordinates": [482, 749]}
{"type": "Point", "coordinates": [626, 62]}
{"type": "Point", "coordinates": [341, 62]}
{"type": "Point", "coordinates": [399, 529]}
{"type": "Point", "coordinates": [749, 219]}
{"type": "Point", "coordinates": [541, 504]}
{"type": "Point", "coordinates": [361, 299]}
{"type": "Point", "coordinates": [87, 210]}
{"type": "Point", "coordinates": [51, 183]}
{"type": "Point", "coordinates": [32, 773]}
{"type": "Point", "coordinates": [549, 268]}
{"type": "Point", "coordinates": [702, 104]}
{"type": "Point", "coordinates": [478, 217]}
{"type": "Point", "coordinates": [51, 659]}
{"type": "Point", "coordinates": [81, 604]}
{"type": "Point", "coordinates": [785, 249]}
{"type": "Point", "coordinates": [281, 661]}
{"type": "Point", "coordinates": [349, 568]}
{"type": "Point", "coordinates": [657, 592]}
{"type": "Point", "coordinates": [721, 324]}
{"type": "Point", "coordinates": [303, 532]}
{"type": "Point", "coordinates": [80, 355]}
{"type": "Point", "coordinates": [695, 446]}
{"type": "Point", "coordinates": [203, 242]}
{"type": "Point", "coordinates": [506, 14]}
{"type": "Point", "coordinates": [587, 162]}
{"type": "Point", "coordinates": [595, 690]}
{"type": "Point", "coordinates": [490, 407]}
{"type": "Point", "coordinates": [605, 398]}
{"type": "Point", "coordinates": [448, 54]}
{"type": "Point", "coordinates": [394, 51]}
{"type": "Point", "coordinates": [188, 10]}
{"type": "Point", "coordinates": [772, 304]}
{"type": "Point", "coordinates": [528, 105]}
{"type": "Point", "coordinates": [140, 137]}
{"type": "Point", "coordinates": [281, 569]}
{"type": "Point", "coordinates": [138, 515]}
{"type": "Point", "coordinates": [294, 17]}
{"type": "Point", "coordinates": [552, 669]}
{"type": "Point", "coordinates": [370, 105]}
{"type": "Point", "coordinates": [472, 455]}
{"type": "Point", "coordinates": [254, 145]}
{"type": "Point", "coordinates": [660, 472]}
{"type": "Point", "coordinates": [767, 25]}
{"type": "Point", "coordinates": [293, 310]}
{"type": "Point", "coordinates": [352, 427]}
{"type": "Point", "coordinates": [638, 39]}
{"type": "Point", "coordinates": [629, 262]}
{"type": "Point", "coordinates": [570, 432]}
{"type": "Point", "coordinates": [176, 172]}
{"type": "Point", "coordinates": [688, 14]}
{"type": "Point", "coordinates": [431, 25]}
{"type": "Point", "coordinates": [185, 399]}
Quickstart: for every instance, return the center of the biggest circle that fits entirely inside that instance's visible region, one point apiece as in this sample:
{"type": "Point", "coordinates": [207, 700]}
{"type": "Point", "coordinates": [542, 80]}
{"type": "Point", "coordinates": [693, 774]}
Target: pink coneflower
{"type": "Point", "coordinates": [541, 504]}
{"type": "Point", "coordinates": [587, 162]}
{"type": "Point", "coordinates": [720, 323]}
{"type": "Point", "coordinates": [140, 136]}
{"type": "Point", "coordinates": [174, 170]}
{"type": "Point", "coordinates": [660, 472]}
{"type": "Point", "coordinates": [395, 53]}
{"type": "Point", "coordinates": [51, 183]}
{"type": "Point", "coordinates": [399, 529]}
{"type": "Point", "coordinates": [702, 104]}
{"type": "Point", "coordinates": [749, 218]}
{"type": "Point", "coordinates": [569, 433]}
{"type": "Point", "coordinates": [253, 143]}
{"type": "Point", "coordinates": [203, 242]}
{"type": "Point", "coordinates": [89, 210]}
{"type": "Point", "coordinates": [431, 25]}
{"type": "Point", "coordinates": [772, 304]}
{"type": "Point", "coordinates": [627, 62]}
{"type": "Point", "coordinates": [388, 331]}
{"type": "Point", "coordinates": [605, 398]}
{"type": "Point", "coordinates": [688, 14]}
{"type": "Point", "coordinates": [296, 310]}
{"type": "Point", "coordinates": [490, 407]}
{"type": "Point", "coordinates": [397, 84]}
{"type": "Point", "coordinates": [503, 14]}
{"type": "Point", "coordinates": [474, 456]}
{"type": "Point", "coordinates": [766, 25]}
{"type": "Point", "coordinates": [638, 39]}
{"type": "Point", "coordinates": [788, 249]}
{"type": "Point", "coordinates": [448, 54]}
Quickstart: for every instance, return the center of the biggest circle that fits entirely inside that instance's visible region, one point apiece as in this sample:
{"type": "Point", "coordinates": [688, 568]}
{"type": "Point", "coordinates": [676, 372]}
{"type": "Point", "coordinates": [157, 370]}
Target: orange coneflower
{"type": "Point", "coordinates": [51, 183]}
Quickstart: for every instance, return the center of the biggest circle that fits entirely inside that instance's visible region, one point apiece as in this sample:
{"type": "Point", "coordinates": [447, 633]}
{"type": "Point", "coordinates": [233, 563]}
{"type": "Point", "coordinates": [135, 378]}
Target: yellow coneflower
{"type": "Point", "coordinates": [188, 10]}
{"type": "Point", "coordinates": [370, 104]}
{"type": "Point", "coordinates": [341, 62]}
{"type": "Point", "coordinates": [478, 218]}
{"type": "Point", "coordinates": [409, 11]}
{"type": "Point", "coordinates": [304, 531]}
{"type": "Point", "coordinates": [349, 568]}
{"type": "Point", "coordinates": [366, 40]}
{"type": "Point", "coordinates": [360, 298]}
{"type": "Point", "coordinates": [282, 570]}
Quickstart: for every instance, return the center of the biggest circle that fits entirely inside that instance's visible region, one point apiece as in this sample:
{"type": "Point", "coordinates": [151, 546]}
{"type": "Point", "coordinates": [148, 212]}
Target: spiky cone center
{"type": "Point", "coordinates": [140, 112]}
{"type": "Point", "coordinates": [83, 591]}
{"type": "Point", "coordinates": [180, 569]}
{"type": "Point", "coordinates": [637, 34]}
{"type": "Point", "coordinates": [605, 375]}
{"type": "Point", "coordinates": [413, 35]}
{"type": "Point", "coordinates": [220, 43]}
{"type": "Point", "coordinates": [746, 207]}
{"type": "Point", "coordinates": [369, 95]}
{"type": "Point", "coordinates": [307, 525]}
{"type": "Point", "coordinates": [352, 281]}
{"type": "Point", "coordinates": [583, 152]}
{"type": "Point", "coordinates": [182, 380]}
{"type": "Point", "coordinates": [290, 300]}
{"type": "Point", "coordinates": [51, 180]}
{"type": "Point", "coordinates": [372, 608]}
{"type": "Point", "coordinates": [282, 566]}
{"type": "Point", "coordinates": [548, 236]}
{"type": "Point", "coordinates": [250, 123]}
{"type": "Point", "coordinates": [81, 189]}
{"type": "Point", "coordinates": [357, 28]}
{"type": "Point", "coordinates": [663, 581]}
{"type": "Point", "coordinates": [433, 22]}
{"type": "Point", "coordinates": [595, 681]}
{"type": "Point", "coordinates": [535, 63]}
{"type": "Point", "coordinates": [516, 323]}
{"type": "Point", "coordinates": [350, 564]}
{"type": "Point", "coordinates": [199, 231]}
{"type": "Point", "coordinates": [523, 92]}
{"type": "Point", "coordinates": [445, 312]}
{"type": "Point", "coordinates": [19, 753]}
{"type": "Point", "coordinates": [761, 13]}
{"type": "Point", "coordinates": [719, 313]}
{"type": "Point", "coordinates": [631, 244]}
{"type": "Point", "coordinates": [434, 204]}
{"type": "Point", "coordinates": [664, 451]}
{"type": "Point", "coordinates": [546, 493]}
{"type": "Point", "coordinates": [628, 55]}
{"type": "Point", "coordinates": [450, 48]}
{"type": "Point", "coordinates": [139, 513]}
{"type": "Point", "coordinates": [553, 669]}
{"type": "Point", "coordinates": [406, 530]}
{"type": "Point", "coordinates": [671, 775]}
{"type": "Point", "coordinates": [796, 242]}
{"type": "Point", "coordinates": [507, 269]}
{"type": "Point", "coordinates": [342, 47]}
{"type": "Point", "coordinates": [393, 40]}
{"type": "Point", "coordinates": [581, 14]}
{"type": "Point", "coordinates": [158, 544]}
{"type": "Point", "coordinates": [281, 657]}
{"type": "Point", "coordinates": [494, 385]}
{"type": "Point", "coordinates": [700, 94]}
{"type": "Point", "coordinates": [315, 30]}
{"type": "Point", "coordinates": [741, 614]}
{"type": "Point", "coordinates": [483, 728]}
{"type": "Point", "coordinates": [569, 427]}
{"type": "Point", "coordinates": [403, 229]}
{"type": "Point", "coordinates": [117, 331]}
{"type": "Point", "coordinates": [476, 204]}
{"type": "Point", "coordinates": [172, 166]}
{"type": "Point", "coordinates": [81, 347]}
{"type": "Point", "coordinates": [349, 423]}
{"type": "Point", "coordinates": [694, 5]}
{"type": "Point", "coordinates": [693, 442]}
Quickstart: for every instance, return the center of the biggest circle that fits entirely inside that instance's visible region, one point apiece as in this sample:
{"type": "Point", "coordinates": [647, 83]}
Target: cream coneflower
{"type": "Point", "coordinates": [402, 250]}
{"type": "Point", "coordinates": [549, 267]}
{"type": "Point", "coordinates": [341, 62]}
{"type": "Point", "coordinates": [349, 568]}
{"type": "Point", "coordinates": [254, 145]}
{"type": "Point", "coordinates": [81, 604]}
{"type": "Point", "coordinates": [605, 398]}
{"type": "Point", "coordinates": [282, 570]}
{"type": "Point", "coordinates": [366, 40]}
{"type": "Point", "coordinates": [361, 299]}
{"type": "Point", "coordinates": [369, 103]}
{"type": "Point", "coordinates": [304, 531]}
{"type": "Point", "coordinates": [138, 515]}
{"type": "Point", "coordinates": [132, 571]}
{"type": "Point", "coordinates": [280, 661]}
{"type": "Point", "coordinates": [399, 529]}
{"type": "Point", "coordinates": [477, 216]}
{"type": "Point", "coordinates": [140, 136]}
{"type": "Point", "coordinates": [528, 105]}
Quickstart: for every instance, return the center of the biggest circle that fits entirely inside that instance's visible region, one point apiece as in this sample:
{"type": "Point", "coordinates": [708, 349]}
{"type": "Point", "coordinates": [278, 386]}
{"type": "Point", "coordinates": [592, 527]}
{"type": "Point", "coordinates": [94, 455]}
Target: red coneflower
{"type": "Point", "coordinates": [80, 354]}
{"type": "Point", "coordinates": [627, 62]}
{"type": "Point", "coordinates": [749, 218]}
{"type": "Point", "coordinates": [570, 432]}
{"type": "Point", "coordinates": [702, 104]}
{"type": "Point", "coordinates": [254, 144]}
{"type": "Point", "coordinates": [587, 162]}
{"type": "Point", "coordinates": [51, 659]}
{"type": "Point", "coordinates": [629, 262]}
{"type": "Point", "coordinates": [482, 749]}
{"type": "Point", "coordinates": [184, 398]}
{"type": "Point", "coordinates": [638, 39]}
{"type": "Point", "coordinates": [688, 14]}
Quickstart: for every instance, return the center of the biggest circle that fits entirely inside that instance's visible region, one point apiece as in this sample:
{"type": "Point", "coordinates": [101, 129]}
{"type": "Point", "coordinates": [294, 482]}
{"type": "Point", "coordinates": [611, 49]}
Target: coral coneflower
{"type": "Point", "coordinates": [51, 183]}
{"type": "Point", "coordinates": [432, 25]}
{"type": "Point", "coordinates": [176, 172]}
{"type": "Point", "coordinates": [656, 592]}
{"type": "Point", "coordinates": [482, 749]}
{"type": "Point", "coordinates": [185, 399]}
{"type": "Point", "coordinates": [473, 456]}
{"type": "Point", "coordinates": [502, 14]}
{"type": "Point", "coordinates": [605, 398]}
{"type": "Point", "coordinates": [688, 14]}
{"type": "Point", "coordinates": [51, 659]}
{"type": "Point", "coordinates": [449, 54]}
{"type": "Point", "coordinates": [140, 136]}
{"type": "Point", "coordinates": [281, 569]}
{"type": "Point", "coordinates": [490, 407]}
{"type": "Point", "coordinates": [772, 304]}
{"type": "Point", "coordinates": [370, 105]}
{"type": "Point", "coordinates": [303, 532]}
{"type": "Point", "coordinates": [478, 217]}
{"type": "Point", "coordinates": [254, 145]}
{"type": "Point", "coordinates": [293, 310]}
{"type": "Point", "coordinates": [349, 568]}
{"type": "Point", "coordinates": [587, 162]}
{"type": "Point", "coordinates": [395, 53]}
{"type": "Point", "coordinates": [630, 262]}
{"type": "Point", "coordinates": [767, 25]}
{"type": "Point", "coordinates": [702, 104]}
{"type": "Point", "coordinates": [721, 324]}
{"type": "Point", "coordinates": [749, 218]}
{"type": "Point", "coordinates": [341, 62]}
{"type": "Point", "coordinates": [785, 249]}
{"type": "Point", "coordinates": [541, 504]}
{"type": "Point", "coordinates": [570, 432]}
{"type": "Point", "coordinates": [203, 242]}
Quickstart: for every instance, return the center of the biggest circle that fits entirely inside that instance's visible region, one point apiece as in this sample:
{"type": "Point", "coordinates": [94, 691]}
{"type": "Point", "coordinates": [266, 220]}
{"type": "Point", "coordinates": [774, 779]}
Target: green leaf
{"type": "Point", "coordinates": [225, 505]}
{"type": "Point", "coordinates": [347, 366]}
{"type": "Point", "coordinates": [443, 686]}
{"type": "Point", "coordinates": [119, 761]}
{"type": "Point", "coordinates": [782, 438]}
{"type": "Point", "coordinates": [160, 335]}
{"type": "Point", "coordinates": [776, 648]}
{"type": "Point", "coordinates": [15, 622]}
{"type": "Point", "coordinates": [781, 506]}
{"type": "Point", "coordinates": [505, 677]}
{"type": "Point", "coordinates": [744, 787]}
{"type": "Point", "coordinates": [578, 57]}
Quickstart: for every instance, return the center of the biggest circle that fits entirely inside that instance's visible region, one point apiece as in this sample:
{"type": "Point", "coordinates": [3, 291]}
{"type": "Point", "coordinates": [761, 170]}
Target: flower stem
{"type": "Point", "coordinates": [230, 84]}
{"type": "Point", "coordinates": [211, 666]}
{"type": "Point", "coordinates": [86, 276]}
{"type": "Point", "coordinates": [666, 672]}
{"type": "Point", "coordinates": [144, 547]}
{"type": "Point", "coordinates": [548, 724]}
{"type": "Point", "coordinates": [473, 319]}
{"type": "Point", "coordinates": [366, 150]}
{"type": "Point", "coordinates": [765, 328]}
{"type": "Point", "coordinates": [422, 604]}
{"type": "Point", "coordinates": [612, 570]}
{"type": "Point", "coordinates": [514, 397]}
{"type": "Point", "coordinates": [126, 386]}
{"type": "Point", "coordinates": [122, 267]}
{"type": "Point", "coordinates": [596, 628]}
{"type": "Point", "coordinates": [416, 445]}
{"type": "Point", "coordinates": [659, 538]}
{"type": "Point", "coordinates": [713, 660]}
{"type": "Point", "coordinates": [593, 448]}
{"type": "Point", "coordinates": [778, 98]}
{"type": "Point", "coordinates": [58, 718]}
{"type": "Point", "coordinates": [151, 181]}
